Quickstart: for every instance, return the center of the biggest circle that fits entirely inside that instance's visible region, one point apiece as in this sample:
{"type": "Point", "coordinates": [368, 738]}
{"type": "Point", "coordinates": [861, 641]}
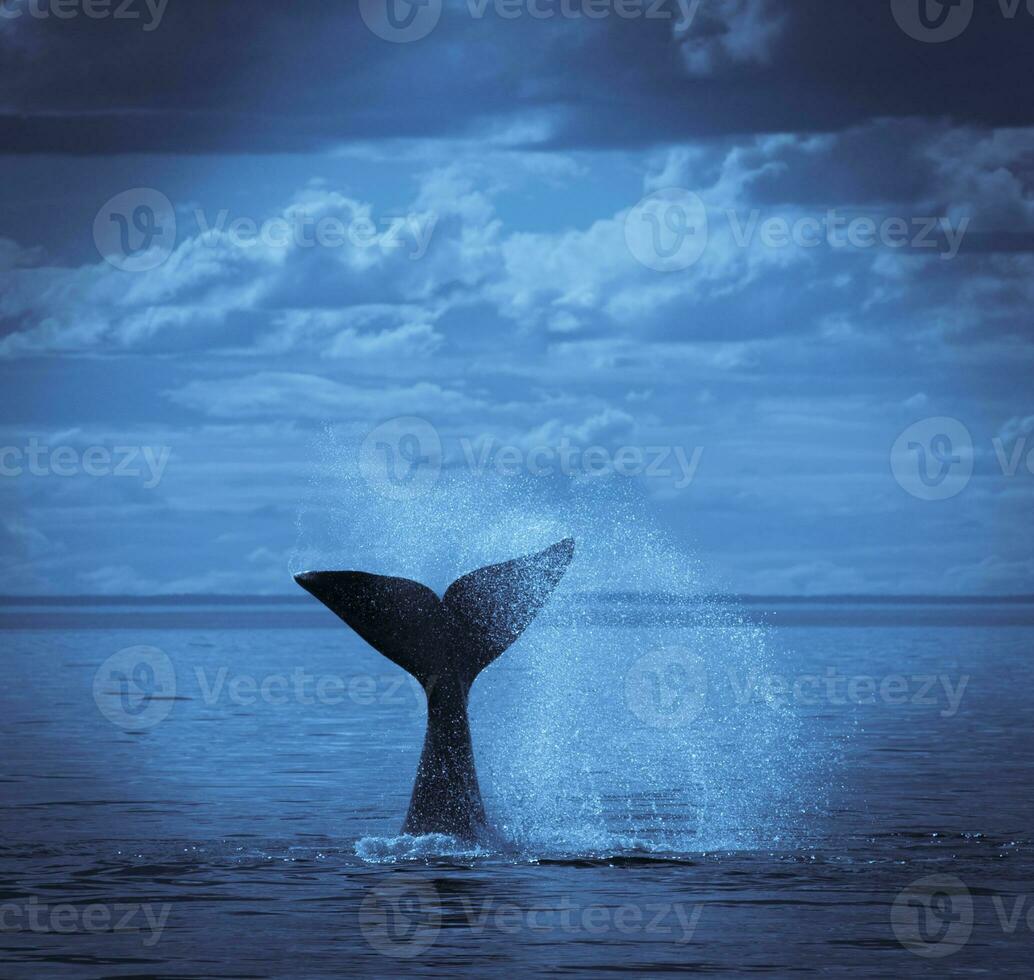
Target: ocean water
{"type": "Point", "coordinates": [215, 790]}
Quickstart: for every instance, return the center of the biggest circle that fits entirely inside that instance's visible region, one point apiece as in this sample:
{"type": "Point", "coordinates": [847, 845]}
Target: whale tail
{"type": "Point", "coordinates": [445, 643]}
{"type": "Point", "coordinates": [461, 633]}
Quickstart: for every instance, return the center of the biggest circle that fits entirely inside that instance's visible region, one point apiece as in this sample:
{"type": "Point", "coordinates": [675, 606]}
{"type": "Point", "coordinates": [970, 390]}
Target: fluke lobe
{"type": "Point", "coordinates": [445, 643]}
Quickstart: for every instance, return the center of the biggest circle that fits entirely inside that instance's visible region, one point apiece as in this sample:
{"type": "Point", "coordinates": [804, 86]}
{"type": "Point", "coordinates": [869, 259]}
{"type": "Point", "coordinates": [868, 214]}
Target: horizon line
{"type": "Point", "coordinates": [208, 598]}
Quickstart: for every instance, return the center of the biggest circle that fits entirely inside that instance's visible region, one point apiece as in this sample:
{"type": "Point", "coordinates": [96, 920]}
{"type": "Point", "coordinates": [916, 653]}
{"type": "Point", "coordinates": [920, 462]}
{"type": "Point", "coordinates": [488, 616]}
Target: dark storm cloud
{"type": "Point", "coordinates": [233, 76]}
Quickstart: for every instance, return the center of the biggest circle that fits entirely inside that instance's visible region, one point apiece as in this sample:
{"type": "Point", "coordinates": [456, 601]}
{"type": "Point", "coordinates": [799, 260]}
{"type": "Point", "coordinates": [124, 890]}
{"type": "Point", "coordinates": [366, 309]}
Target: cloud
{"type": "Point", "coordinates": [528, 318]}
{"type": "Point", "coordinates": [106, 87]}
{"type": "Point", "coordinates": [1016, 428]}
{"type": "Point", "coordinates": [351, 334]}
{"type": "Point", "coordinates": [384, 285]}
{"type": "Point", "coordinates": [993, 575]}
{"type": "Point", "coordinates": [281, 394]}
{"type": "Point", "coordinates": [728, 34]}
{"type": "Point", "coordinates": [323, 251]}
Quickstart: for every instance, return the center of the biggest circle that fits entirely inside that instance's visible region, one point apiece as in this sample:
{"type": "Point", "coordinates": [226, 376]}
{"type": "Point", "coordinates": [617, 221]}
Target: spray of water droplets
{"type": "Point", "coordinates": [618, 722]}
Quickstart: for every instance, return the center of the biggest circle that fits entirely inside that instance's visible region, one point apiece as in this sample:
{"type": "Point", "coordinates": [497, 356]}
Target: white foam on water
{"type": "Point", "coordinates": [407, 847]}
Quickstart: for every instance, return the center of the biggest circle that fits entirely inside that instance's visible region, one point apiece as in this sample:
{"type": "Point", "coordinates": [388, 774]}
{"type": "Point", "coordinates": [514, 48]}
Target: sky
{"type": "Point", "coordinates": [758, 273]}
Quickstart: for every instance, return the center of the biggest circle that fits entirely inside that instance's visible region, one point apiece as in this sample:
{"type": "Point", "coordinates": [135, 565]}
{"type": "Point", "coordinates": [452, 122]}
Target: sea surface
{"type": "Point", "coordinates": [214, 789]}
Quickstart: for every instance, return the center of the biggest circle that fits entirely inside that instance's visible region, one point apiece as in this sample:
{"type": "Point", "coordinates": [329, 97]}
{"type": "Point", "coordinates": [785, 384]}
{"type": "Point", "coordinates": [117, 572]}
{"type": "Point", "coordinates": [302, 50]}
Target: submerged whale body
{"type": "Point", "coordinates": [445, 643]}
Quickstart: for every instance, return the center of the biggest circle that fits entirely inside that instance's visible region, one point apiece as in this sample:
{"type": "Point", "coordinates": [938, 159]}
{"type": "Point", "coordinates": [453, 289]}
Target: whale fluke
{"type": "Point", "coordinates": [445, 643]}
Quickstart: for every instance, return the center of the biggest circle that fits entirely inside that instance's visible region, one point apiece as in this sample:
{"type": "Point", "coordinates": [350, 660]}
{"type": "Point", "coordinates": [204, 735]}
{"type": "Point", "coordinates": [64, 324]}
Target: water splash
{"type": "Point", "coordinates": [571, 760]}
{"type": "Point", "coordinates": [407, 847]}
{"type": "Point", "coordinates": [618, 723]}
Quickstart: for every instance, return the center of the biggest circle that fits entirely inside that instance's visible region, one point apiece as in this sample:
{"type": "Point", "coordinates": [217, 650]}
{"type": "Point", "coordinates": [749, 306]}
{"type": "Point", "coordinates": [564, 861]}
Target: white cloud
{"type": "Point", "coordinates": [282, 394]}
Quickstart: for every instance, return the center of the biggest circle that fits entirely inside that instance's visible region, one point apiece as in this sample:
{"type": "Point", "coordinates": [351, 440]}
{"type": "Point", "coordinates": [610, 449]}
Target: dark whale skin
{"type": "Point", "coordinates": [445, 643]}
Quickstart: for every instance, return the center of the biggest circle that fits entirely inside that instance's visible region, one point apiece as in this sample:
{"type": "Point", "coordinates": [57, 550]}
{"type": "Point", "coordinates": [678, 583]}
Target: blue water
{"type": "Point", "coordinates": [675, 787]}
